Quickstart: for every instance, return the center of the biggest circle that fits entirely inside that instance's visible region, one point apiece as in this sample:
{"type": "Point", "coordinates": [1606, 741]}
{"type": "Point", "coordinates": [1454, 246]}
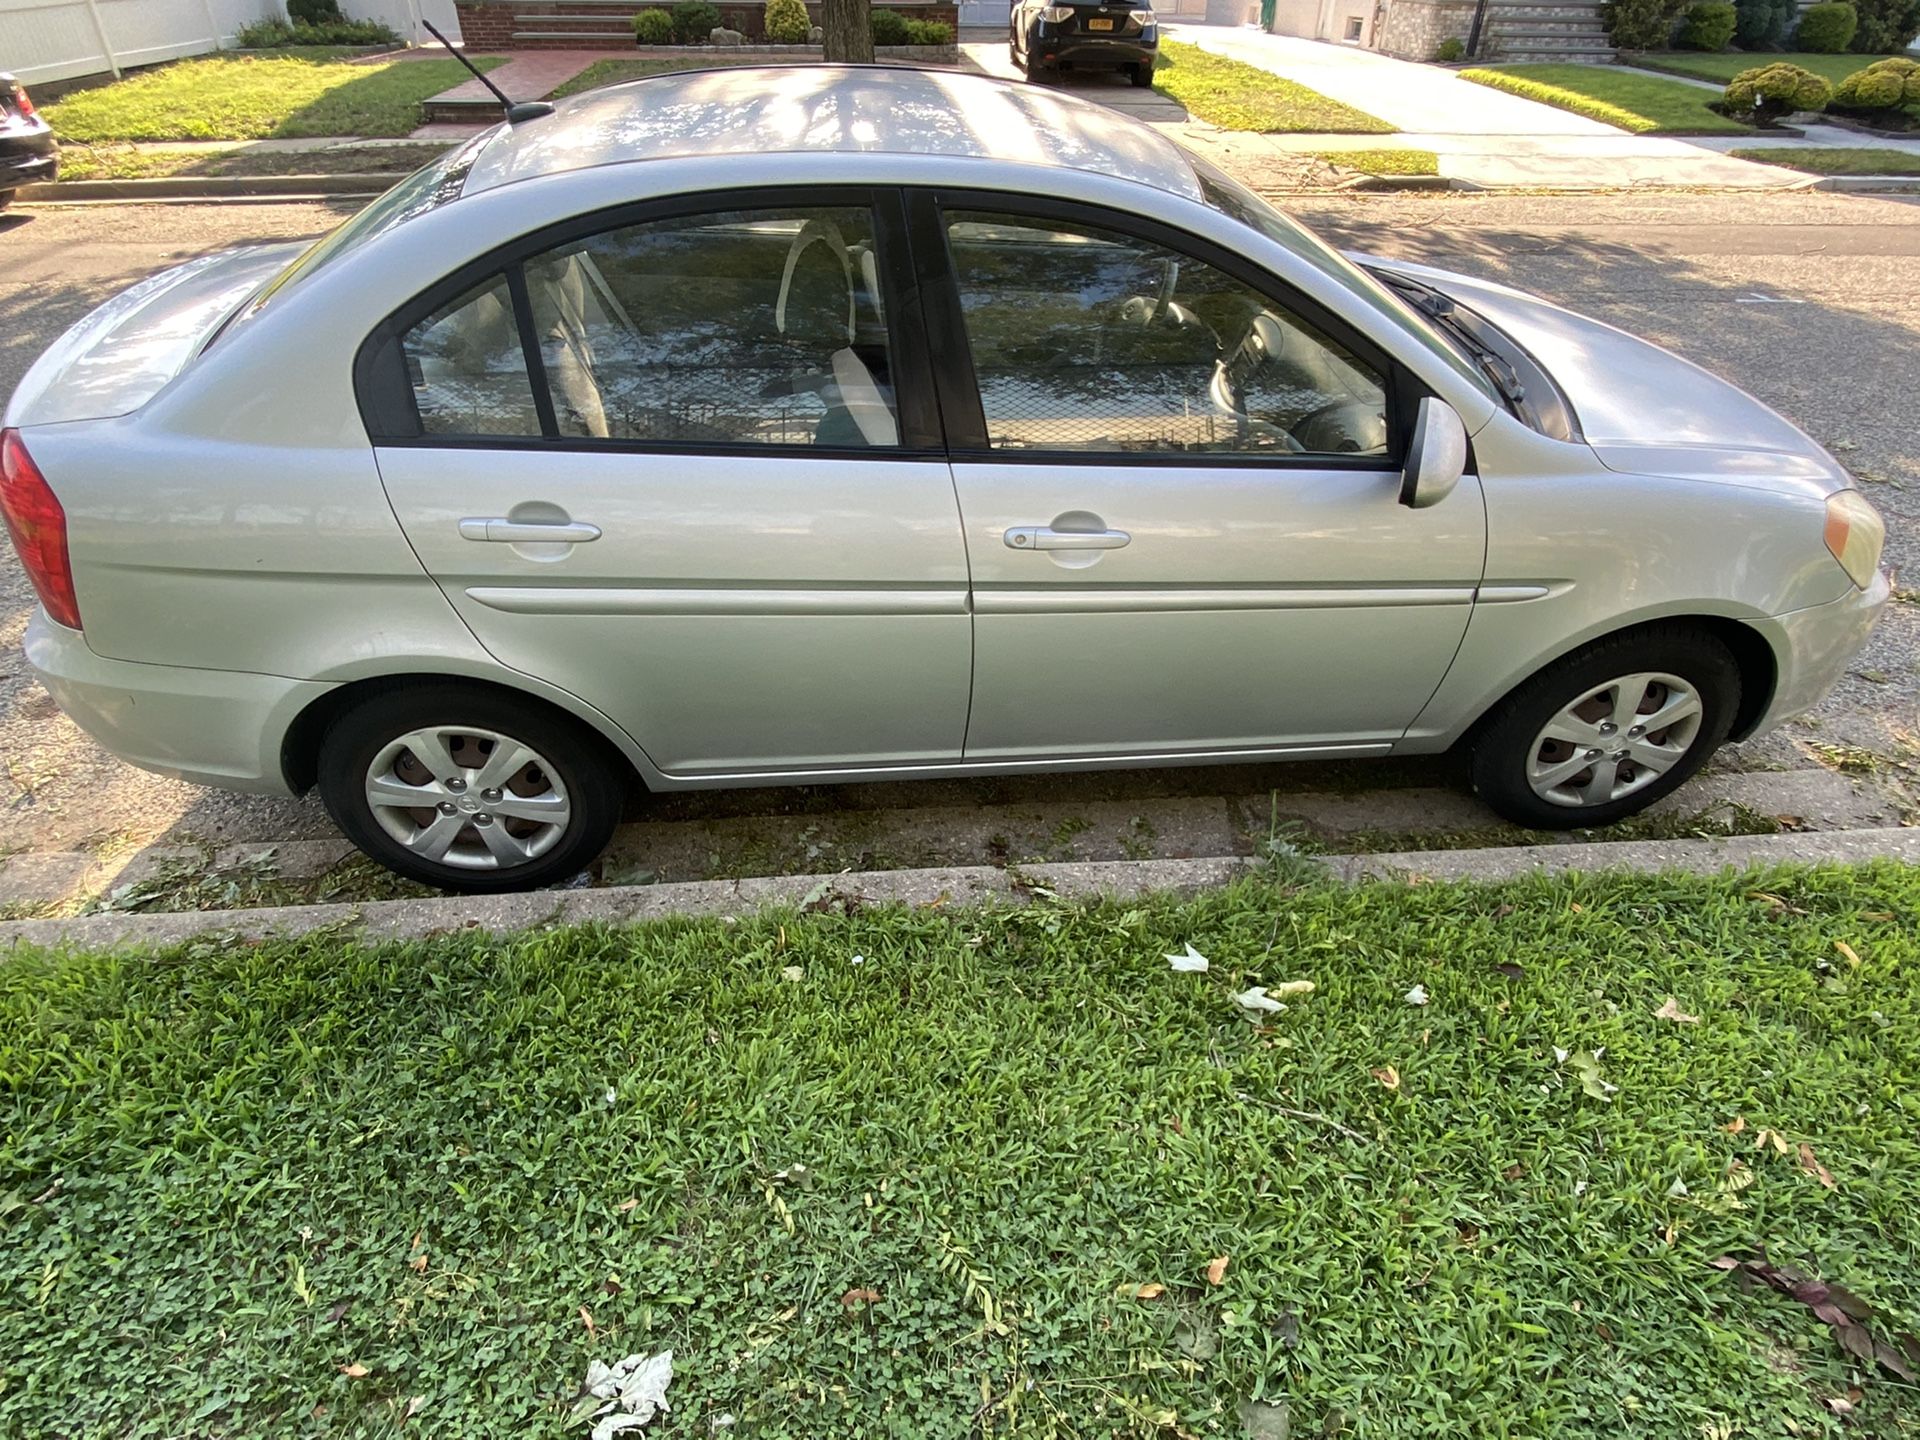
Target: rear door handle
{"type": "Point", "coordinates": [503, 531]}
{"type": "Point", "coordinates": [1045, 537]}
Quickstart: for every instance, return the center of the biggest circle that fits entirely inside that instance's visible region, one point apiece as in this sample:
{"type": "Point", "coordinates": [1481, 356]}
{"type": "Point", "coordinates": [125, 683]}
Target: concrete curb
{"type": "Point", "coordinates": [290, 187]}
{"type": "Point", "coordinates": [958, 886]}
{"type": "Point", "coordinates": [1869, 184]}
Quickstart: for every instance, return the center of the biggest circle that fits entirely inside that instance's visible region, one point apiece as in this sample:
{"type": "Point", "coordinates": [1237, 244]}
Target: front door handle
{"type": "Point", "coordinates": [503, 531]}
{"type": "Point", "coordinates": [1045, 537]}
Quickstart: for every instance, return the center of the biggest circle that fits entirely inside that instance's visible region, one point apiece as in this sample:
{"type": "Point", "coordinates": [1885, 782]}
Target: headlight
{"type": "Point", "coordinates": [1855, 533]}
{"type": "Point", "coordinates": [1140, 17]}
{"type": "Point", "coordinates": [1056, 13]}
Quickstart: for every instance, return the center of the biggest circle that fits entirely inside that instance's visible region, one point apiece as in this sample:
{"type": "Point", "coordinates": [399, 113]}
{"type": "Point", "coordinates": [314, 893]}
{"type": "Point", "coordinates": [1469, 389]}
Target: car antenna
{"type": "Point", "coordinates": [516, 111]}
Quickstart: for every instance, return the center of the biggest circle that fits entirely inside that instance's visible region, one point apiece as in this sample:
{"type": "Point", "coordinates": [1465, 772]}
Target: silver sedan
{"type": "Point", "coordinates": [827, 424]}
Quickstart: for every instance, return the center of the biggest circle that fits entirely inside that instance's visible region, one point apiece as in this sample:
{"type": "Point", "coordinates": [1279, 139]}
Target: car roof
{"type": "Point", "coordinates": [851, 109]}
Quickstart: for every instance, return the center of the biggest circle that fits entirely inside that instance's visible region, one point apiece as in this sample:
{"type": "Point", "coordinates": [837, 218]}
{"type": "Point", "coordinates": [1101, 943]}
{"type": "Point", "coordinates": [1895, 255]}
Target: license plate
{"type": "Point", "coordinates": [1099, 24]}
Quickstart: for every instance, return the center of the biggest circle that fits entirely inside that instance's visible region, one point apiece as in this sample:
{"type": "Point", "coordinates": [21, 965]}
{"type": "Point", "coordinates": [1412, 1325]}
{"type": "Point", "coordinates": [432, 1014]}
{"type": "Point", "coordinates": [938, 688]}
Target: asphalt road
{"type": "Point", "coordinates": [1810, 301]}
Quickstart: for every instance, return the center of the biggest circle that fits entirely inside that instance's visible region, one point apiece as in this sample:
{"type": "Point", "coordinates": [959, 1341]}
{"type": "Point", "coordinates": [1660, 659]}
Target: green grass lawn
{"type": "Point", "coordinates": [1837, 160]}
{"type": "Point", "coordinates": [123, 162]}
{"type": "Point", "coordinates": [1722, 67]}
{"type": "Point", "coordinates": [250, 97]}
{"type": "Point", "coordinates": [612, 72]}
{"type": "Point", "coordinates": [1244, 97]}
{"type": "Point", "coordinates": [1385, 162]}
{"type": "Point", "coordinates": [917, 1173]}
{"type": "Point", "coordinates": [1643, 104]}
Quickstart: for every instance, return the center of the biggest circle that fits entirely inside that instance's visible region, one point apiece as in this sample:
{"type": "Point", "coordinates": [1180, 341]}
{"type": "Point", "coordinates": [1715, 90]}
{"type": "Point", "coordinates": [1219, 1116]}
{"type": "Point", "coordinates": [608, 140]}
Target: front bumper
{"type": "Point", "coordinates": [1815, 646]}
{"type": "Point", "coordinates": [211, 727]}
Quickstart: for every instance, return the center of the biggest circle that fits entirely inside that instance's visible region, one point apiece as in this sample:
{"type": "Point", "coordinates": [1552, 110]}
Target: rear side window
{"type": "Point", "coordinates": [743, 327]}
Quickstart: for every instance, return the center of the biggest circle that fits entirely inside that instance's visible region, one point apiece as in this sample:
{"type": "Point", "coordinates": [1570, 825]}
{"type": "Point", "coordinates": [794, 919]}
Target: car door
{"type": "Point", "coordinates": [684, 464]}
{"type": "Point", "coordinates": [1179, 483]}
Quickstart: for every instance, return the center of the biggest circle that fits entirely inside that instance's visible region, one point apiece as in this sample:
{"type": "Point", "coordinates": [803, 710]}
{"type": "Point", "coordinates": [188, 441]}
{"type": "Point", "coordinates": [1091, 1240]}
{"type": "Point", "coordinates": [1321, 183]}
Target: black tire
{"type": "Point", "coordinates": [590, 774]}
{"type": "Point", "coordinates": [1141, 75]}
{"type": "Point", "coordinates": [1504, 744]}
{"type": "Point", "coordinates": [6, 198]}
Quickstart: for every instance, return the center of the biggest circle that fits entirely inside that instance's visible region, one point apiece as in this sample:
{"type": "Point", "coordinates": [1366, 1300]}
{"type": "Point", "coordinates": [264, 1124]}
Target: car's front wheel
{"type": "Point", "coordinates": [470, 789]}
{"type": "Point", "coordinates": [1605, 732]}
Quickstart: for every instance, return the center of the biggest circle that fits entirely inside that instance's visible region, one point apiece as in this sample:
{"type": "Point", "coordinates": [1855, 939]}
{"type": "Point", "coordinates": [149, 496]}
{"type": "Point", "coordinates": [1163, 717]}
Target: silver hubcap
{"type": "Point", "coordinates": [466, 797]}
{"type": "Point", "coordinates": [1615, 739]}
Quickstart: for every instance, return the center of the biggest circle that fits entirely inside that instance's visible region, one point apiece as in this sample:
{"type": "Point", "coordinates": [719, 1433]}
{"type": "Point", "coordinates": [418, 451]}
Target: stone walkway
{"type": "Point", "coordinates": [1483, 136]}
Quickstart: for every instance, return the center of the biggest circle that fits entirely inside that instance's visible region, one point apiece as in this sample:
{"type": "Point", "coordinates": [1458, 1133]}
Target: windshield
{"type": "Point", "coordinates": [1230, 197]}
{"type": "Point", "coordinates": [426, 189]}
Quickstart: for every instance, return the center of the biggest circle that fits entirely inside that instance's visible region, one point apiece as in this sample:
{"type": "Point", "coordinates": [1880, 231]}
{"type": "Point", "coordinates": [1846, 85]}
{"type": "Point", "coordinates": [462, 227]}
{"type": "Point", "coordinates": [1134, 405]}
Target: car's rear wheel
{"type": "Point", "coordinates": [6, 198]}
{"type": "Point", "coordinates": [469, 789]}
{"type": "Point", "coordinates": [1605, 732]}
{"type": "Point", "coordinates": [1141, 75]}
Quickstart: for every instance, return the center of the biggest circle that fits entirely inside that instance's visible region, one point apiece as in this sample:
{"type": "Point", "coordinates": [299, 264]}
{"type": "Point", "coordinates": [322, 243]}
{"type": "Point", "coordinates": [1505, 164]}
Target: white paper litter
{"type": "Point", "coordinates": [1417, 995]}
{"type": "Point", "coordinates": [1257, 999]}
{"type": "Point", "coordinates": [1191, 963]}
{"type": "Point", "coordinates": [635, 1391]}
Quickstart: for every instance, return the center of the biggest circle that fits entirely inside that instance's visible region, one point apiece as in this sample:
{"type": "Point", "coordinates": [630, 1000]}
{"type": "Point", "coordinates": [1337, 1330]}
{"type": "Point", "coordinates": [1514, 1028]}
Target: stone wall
{"type": "Point", "coordinates": [495, 24]}
{"type": "Point", "coordinates": [1415, 28]}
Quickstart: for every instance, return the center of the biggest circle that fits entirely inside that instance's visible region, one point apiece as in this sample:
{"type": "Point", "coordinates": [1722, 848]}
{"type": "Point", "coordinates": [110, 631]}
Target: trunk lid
{"type": "Point", "coordinates": [120, 356]}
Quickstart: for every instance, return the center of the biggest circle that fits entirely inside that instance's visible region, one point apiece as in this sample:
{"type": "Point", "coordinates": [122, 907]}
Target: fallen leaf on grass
{"type": "Point", "coordinates": [414, 1407]}
{"type": "Point", "coordinates": [1843, 1312]}
{"type": "Point", "coordinates": [1217, 1269]}
{"type": "Point", "coordinates": [1417, 995]}
{"type": "Point", "coordinates": [1256, 998]}
{"type": "Point", "coordinates": [418, 1264]}
{"type": "Point", "coordinates": [1814, 1168]}
{"type": "Point", "coordinates": [860, 1296]}
{"type": "Point", "coordinates": [355, 1371]}
{"type": "Point", "coordinates": [1586, 1065]}
{"type": "Point", "coordinates": [1513, 1172]}
{"type": "Point", "coordinates": [1291, 989]}
{"type": "Point", "coordinates": [1672, 1011]}
{"type": "Point", "coordinates": [1387, 1076]}
{"type": "Point", "coordinates": [1190, 963]}
{"type": "Point", "coordinates": [1152, 1290]}
{"type": "Point", "coordinates": [1735, 1125]}
{"type": "Point", "coordinates": [586, 1319]}
{"type": "Point", "coordinates": [1853, 957]}
{"type": "Point", "coordinates": [1764, 1137]}
{"type": "Point", "coordinates": [629, 1203]}
{"type": "Point", "coordinates": [1510, 970]}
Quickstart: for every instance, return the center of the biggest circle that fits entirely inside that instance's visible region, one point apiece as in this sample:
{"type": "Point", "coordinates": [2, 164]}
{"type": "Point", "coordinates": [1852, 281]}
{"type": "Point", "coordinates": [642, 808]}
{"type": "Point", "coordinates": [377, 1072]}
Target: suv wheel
{"type": "Point", "coordinates": [1605, 732]}
{"type": "Point", "coordinates": [1141, 75]}
{"type": "Point", "coordinates": [470, 790]}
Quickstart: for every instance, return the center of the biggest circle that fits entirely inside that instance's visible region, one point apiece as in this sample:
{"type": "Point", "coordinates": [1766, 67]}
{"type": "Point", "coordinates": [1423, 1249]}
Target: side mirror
{"type": "Point", "coordinates": [1436, 456]}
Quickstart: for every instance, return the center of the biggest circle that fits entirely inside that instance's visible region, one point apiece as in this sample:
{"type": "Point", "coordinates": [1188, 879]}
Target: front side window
{"type": "Point", "coordinates": [1087, 340]}
{"type": "Point", "coordinates": [749, 327]}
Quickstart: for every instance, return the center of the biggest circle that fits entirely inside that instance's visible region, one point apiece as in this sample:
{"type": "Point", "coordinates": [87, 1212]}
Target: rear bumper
{"type": "Point", "coordinates": [28, 159]}
{"type": "Point", "coordinates": [211, 727]}
{"type": "Point", "coordinates": [1815, 646]}
{"type": "Point", "coordinates": [1082, 49]}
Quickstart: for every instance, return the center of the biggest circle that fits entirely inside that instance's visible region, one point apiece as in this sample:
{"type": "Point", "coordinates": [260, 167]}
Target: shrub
{"type": "Point", "coordinates": [1761, 24]}
{"type": "Point", "coordinates": [1451, 49]}
{"type": "Point", "coordinates": [1708, 26]}
{"type": "Point", "coordinates": [272, 34]}
{"type": "Point", "coordinates": [1886, 25]}
{"type": "Point", "coordinates": [1883, 85]}
{"type": "Point", "coordinates": [889, 27]}
{"type": "Point", "coordinates": [929, 32]}
{"type": "Point", "coordinates": [786, 22]}
{"type": "Point", "coordinates": [1642, 24]}
{"type": "Point", "coordinates": [653, 27]}
{"type": "Point", "coordinates": [694, 21]}
{"type": "Point", "coordinates": [314, 12]}
{"type": "Point", "coordinates": [1826, 29]}
{"type": "Point", "coordinates": [1771, 91]}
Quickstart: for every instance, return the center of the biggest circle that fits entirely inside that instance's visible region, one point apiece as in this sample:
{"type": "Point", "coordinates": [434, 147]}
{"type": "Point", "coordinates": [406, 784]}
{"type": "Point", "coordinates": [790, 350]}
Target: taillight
{"type": "Point", "coordinates": [39, 529]}
{"type": "Point", "coordinates": [21, 102]}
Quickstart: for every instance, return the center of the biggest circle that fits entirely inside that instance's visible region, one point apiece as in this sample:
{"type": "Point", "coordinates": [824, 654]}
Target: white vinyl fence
{"type": "Point", "coordinates": [44, 40]}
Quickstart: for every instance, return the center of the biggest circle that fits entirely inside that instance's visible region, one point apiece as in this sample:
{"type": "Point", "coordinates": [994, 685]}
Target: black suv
{"type": "Point", "coordinates": [27, 151]}
{"type": "Point", "coordinates": [1047, 37]}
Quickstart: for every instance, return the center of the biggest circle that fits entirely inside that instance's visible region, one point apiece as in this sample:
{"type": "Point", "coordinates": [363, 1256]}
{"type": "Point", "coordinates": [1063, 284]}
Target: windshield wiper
{"type": "Point", "coordinates": [1442, 311]}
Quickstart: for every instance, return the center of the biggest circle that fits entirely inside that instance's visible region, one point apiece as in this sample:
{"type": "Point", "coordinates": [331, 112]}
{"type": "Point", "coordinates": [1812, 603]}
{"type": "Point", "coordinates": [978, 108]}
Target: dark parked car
{"type": "Point", "coordinates": [1046, 38]}
{"type": "Point", "coordinates": [27, 151]}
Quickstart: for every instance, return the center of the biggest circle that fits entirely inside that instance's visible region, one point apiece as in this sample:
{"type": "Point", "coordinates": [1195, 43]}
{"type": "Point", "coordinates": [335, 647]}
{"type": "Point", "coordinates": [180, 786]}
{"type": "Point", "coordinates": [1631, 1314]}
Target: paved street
{"type": "Point", "coordinates": [1806, 299]}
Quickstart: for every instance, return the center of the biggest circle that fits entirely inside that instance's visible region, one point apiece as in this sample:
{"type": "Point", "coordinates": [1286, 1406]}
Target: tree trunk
{"type": "Point", "coordinates": [849, 31]}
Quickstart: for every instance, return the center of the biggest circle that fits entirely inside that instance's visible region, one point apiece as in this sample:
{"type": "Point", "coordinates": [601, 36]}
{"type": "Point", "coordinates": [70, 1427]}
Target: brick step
{"type": "Point", "coordinates": [1550, 32]}
{"type": "Point", "coordinates": [1562, 15]}
{"type": "Point", "coordinates": [1522, 54]}
{"type": "Point", "coordinates": [555, 24]}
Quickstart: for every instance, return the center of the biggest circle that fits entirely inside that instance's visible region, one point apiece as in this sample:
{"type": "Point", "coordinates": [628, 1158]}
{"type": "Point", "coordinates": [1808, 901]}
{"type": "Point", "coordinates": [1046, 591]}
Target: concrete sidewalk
{"type": "Point", "coordinates": [1484, 137]}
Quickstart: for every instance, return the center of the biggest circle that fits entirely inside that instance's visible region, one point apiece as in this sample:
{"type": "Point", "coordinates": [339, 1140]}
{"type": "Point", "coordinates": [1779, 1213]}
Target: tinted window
{"type": "Point", "coordinates": [740, 328]}
{"type": "Point", "coordinates": [1087, 340]}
